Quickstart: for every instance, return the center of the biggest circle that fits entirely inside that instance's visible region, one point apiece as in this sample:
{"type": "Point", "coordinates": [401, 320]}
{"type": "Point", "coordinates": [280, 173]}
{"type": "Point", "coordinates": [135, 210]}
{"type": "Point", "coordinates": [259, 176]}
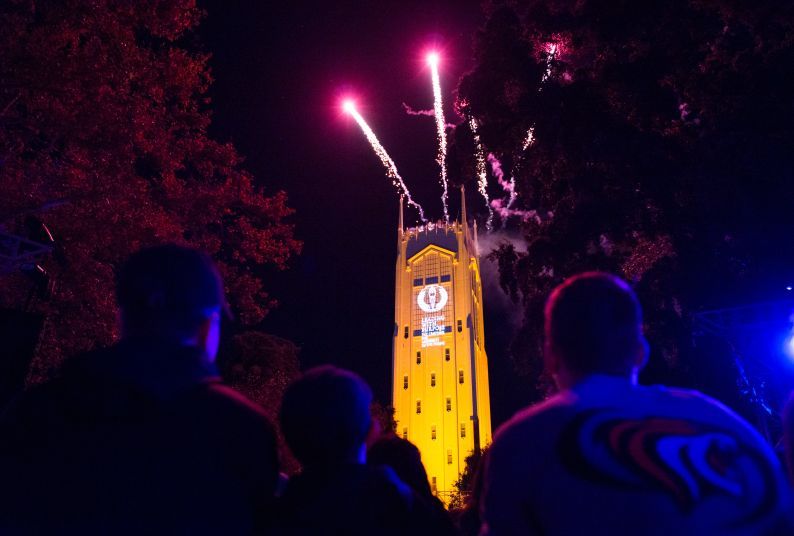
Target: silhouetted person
{"type": "Point", "coordinates": [607, 456]}
{"type": "Point", "coordinates": [404, 458]}
{"type": "Point", "coordinates": [142, 438]}
{"type": "Point", "coordinates": [325, 417]}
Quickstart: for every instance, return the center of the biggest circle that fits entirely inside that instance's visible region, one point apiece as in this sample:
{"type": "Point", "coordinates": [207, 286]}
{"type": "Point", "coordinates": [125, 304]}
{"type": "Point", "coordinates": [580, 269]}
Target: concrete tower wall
{"type": "Point", "coordinates": [440, 389]}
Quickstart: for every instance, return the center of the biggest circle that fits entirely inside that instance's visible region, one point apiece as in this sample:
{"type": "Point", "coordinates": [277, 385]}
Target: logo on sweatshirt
{"type": "Point", "coordinates": [687, 460]}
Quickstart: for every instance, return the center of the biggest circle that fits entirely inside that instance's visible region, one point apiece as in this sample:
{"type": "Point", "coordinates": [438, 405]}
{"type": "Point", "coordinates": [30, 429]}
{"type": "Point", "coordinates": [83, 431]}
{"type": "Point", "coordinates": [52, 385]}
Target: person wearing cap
{"type": "Point", "coordinates": [608, 456]}
{"type": "Point", "coordinates": [325, 418]}
{"type": "Point", "coordinates": [142, 437]}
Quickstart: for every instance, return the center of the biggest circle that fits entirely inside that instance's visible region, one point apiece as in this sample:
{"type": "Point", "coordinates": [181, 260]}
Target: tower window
{"type": "Point", "coordinates": [405, 433]}
{"type": "Point", "coordinates": [405, 382]}
{"type": "Point", "coordinates": [434, 485]}
{"type": "Point", "coordinates": [460, 376]}
{"type": "Point", "coordinates": [446, 354]}
{"type": "Point", "coordinates": [418, 358]}
{"type": "Point", "coordinates": [445, 278]}
{"type": "Point", "coordinates": [431, 280]}
{"type": "Point", "coordinates": [449, 404]}
{"type": "Point", "coordinates": [419, 406]}
{"type": "Point", "coordinates": [418, 282]}
{"type": "Point", "coordinates": [405, 332]}
{"type": "Point", "coordinates": [433, 380]}
{"type": "Point", "coordinates": [449, 457]}
{"type": "Point", "coordinates": [433, 432]}
{"type": "Point", "coordinates": [460, 326]}
{"type": "Point", "coordinates": [463, 430]}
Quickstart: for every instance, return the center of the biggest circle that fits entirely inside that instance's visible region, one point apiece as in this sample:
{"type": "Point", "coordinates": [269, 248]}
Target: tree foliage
{"type": "Point", "coordinates": [261, 366]}
{"type": "Point", "coordinates": [662, 152]}
{"type": "Point", "coordinates": [466, 491]}
{"type": "Point", "coordinates": [103, 136]}
{"type": "Point", "coordinates": [383, 418]}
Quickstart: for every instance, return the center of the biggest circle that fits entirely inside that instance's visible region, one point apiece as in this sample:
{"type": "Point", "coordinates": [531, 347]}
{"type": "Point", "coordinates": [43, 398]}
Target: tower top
{"type": "Point", "coordinates": [402, 226]}
{"type": "Point", "coordinates": [454, 236]}
{"type": "Point", "coordinates": [463, 205]}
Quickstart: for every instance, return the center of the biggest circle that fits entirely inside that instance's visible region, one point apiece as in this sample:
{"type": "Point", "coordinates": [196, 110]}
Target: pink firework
{"type": "Point", "coordinates": [482, 173]}
{"type": "Point", "coordinates": [391, 168]}
{"type": "Point", "coordinates": [438, 111]}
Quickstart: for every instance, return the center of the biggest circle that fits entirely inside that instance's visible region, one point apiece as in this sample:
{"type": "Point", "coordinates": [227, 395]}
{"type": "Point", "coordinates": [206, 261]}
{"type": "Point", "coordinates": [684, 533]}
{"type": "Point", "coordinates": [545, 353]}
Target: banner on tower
{"type": "Point", "coordinates": [431, 301]}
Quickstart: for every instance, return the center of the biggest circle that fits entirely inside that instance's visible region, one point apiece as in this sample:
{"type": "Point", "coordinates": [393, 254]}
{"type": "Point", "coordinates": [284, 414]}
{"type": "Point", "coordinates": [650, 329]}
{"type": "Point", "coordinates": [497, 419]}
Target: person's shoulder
{"type": "Point", "coordinates": [229, 408]}
{"type": "Point", "coordinates": [228, 399]}
{"type": "Point", "coordinates": [691, 400]}
{"type": "Point", "coordinates": [422, 514]}
{"type": "Point", "coordinates": [698, 407]}
{"type": "Point", "coordinates": [68, 387]}
{"type": "Point", "coordinates": [537, 416]}
{"type": "Point", "coordinates": [387, 477]}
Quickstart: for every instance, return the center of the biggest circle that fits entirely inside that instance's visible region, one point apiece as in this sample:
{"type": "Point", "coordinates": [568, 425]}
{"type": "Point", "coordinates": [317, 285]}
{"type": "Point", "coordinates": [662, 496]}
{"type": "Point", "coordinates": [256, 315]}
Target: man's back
{"type": "Point", "coordinates": [140, 438]}
{"type": "Point", "coordinates": [608, 457]}
{"type": "Point", "coordinates": [347, 499]}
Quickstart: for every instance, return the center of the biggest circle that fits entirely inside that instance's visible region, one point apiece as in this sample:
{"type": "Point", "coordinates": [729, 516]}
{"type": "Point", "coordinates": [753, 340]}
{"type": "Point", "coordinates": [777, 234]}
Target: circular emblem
{"type": "Point", "coordinates": [432, 298]}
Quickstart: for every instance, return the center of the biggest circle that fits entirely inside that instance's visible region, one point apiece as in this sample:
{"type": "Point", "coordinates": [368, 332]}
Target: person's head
{"type": "Point", "coordinates": [404, 458]}
{"type": "Point", "coordinates": [172, 293]}
{"type": "Point", "coordinates": [325, 417]}
{"type": "Point", "coordinates": [593, 325]}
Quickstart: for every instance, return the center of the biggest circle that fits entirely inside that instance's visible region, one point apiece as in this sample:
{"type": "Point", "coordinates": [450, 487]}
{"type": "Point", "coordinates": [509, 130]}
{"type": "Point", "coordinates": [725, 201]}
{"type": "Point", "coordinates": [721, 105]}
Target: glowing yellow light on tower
{"type": "Point", "coordinates": [440, 392]}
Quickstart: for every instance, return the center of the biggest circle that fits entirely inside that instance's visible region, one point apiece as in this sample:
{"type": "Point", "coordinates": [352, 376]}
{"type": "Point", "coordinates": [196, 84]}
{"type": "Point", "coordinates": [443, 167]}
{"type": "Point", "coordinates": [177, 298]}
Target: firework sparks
{"type": "Point", "coordinates": [529, 140]}
{"type": "Point", "coordinates": [482, 174]}
{"type": "Point", "coordinates": [438, 111]}
{"type": "Point", "coordinates": [391, 168]}
{"type": "Point", "coordinates": [551, 54]}
{"type": "Point", "coordinates": [509, 186]}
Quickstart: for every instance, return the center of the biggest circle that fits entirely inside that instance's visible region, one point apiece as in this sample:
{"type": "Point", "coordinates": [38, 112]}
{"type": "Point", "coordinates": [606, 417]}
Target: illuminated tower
{"type": "Point", "coordinates": [440, 390]}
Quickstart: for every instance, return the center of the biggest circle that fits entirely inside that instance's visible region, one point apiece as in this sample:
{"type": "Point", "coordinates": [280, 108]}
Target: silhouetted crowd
{"type": "Point", "coordinates": [144, 438]}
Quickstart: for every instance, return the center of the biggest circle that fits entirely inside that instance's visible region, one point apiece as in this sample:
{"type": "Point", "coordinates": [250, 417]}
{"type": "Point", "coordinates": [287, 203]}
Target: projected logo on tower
{"type": "Point", "coordinates": [431, 300]}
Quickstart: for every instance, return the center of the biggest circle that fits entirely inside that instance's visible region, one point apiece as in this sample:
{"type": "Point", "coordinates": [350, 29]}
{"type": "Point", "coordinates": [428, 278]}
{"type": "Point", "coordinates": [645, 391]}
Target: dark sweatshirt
{"type": "Point", "coordinates": [610, 457]}
{"type": "Point", "coordinates": [139, 438]}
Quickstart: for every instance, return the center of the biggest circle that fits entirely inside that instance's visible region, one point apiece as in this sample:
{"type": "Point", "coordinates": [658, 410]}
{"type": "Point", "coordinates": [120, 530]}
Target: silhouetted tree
{"type": "Point", "coordinates": [383, 415]}
{"type": "Point", "coordinates": [464, 485]}
{"type": "Point", "coordinates": [662, 151]}
{"type": "Point", "coordinates": [103, 136]}
{"type": "Point", "coordinates": [261, 366]}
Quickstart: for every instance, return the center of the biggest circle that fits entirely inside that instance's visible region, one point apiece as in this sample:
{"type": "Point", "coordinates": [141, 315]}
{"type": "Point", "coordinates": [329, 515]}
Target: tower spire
{"type": "Point", "coordinates": [463, 205]}
{"type": "Point", "coordinates": [401, 216]}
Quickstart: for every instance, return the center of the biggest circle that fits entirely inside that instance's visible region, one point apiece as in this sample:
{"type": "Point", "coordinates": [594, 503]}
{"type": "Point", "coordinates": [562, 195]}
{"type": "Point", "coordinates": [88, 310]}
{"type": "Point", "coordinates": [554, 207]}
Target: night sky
{"type": "Point", "coordinates": [280, 72]}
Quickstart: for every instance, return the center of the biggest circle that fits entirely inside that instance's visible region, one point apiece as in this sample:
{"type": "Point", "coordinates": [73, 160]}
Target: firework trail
{"type": "Point", "coordinates": [506, 210]}
{"type": "Point", "coordinates": [482, 174]}
{"type": "Point", "coordinates": [430, 113]}
{"type": "Point", "coordinates": [411, 111]}
{"type": "Point", "coordinates": [551, 54]}
{"type": "Point", "coordinates": [508, 186]}
{"type": "Point", "coordinates": [438, 109]}
{"type": "Point", "coordinates": [391, 168]}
